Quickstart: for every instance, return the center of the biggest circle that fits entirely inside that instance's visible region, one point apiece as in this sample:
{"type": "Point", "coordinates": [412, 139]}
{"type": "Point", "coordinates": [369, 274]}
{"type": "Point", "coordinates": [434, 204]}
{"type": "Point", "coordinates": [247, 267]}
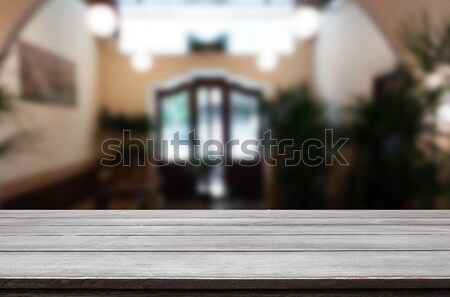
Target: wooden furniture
{"type": "Point", "coordinates": [225, 253]}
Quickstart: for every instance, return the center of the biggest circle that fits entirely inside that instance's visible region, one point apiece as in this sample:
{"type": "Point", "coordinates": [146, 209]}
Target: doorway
{"type": "Point", "coordinates": [212, 109]}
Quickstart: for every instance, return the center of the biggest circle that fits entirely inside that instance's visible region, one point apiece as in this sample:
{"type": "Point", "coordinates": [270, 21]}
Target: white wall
{"type": "Point", "coordinates": [351, 51]}
{"type": "Point", "coordinates": [65, 133]}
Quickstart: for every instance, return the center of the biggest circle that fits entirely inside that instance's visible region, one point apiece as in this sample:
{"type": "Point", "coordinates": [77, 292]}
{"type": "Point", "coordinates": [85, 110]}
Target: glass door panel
{"type": "Point", "coordinates": [210, 126]}
{"type": "Point", "coordinates": [209, 115]}
{"type": "Point", "coordinates": [175, 119]}
{"type": "Point", "coordinates": [244, 121]}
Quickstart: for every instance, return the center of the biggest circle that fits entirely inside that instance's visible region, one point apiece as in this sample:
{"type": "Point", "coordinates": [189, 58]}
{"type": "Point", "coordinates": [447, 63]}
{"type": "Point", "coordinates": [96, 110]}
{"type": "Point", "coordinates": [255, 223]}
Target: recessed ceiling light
{"type": "Point", "coordinates": [306, 22]}
{"type": "Point", "coordinates": [101, 20]}
{"type": "Point", "coordinates": [267, 62]}
{"type": "Point", "coordinates": [141, 62]}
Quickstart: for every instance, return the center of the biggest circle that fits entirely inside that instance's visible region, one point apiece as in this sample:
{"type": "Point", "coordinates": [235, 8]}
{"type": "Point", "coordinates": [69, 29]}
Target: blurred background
{"type": "Point", "coordinates": [74, 73]}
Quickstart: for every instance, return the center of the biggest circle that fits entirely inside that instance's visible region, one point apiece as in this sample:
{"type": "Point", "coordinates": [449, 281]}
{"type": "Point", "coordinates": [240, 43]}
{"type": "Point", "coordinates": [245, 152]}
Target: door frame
{"type": "Point", "coordinates": [190, 83]}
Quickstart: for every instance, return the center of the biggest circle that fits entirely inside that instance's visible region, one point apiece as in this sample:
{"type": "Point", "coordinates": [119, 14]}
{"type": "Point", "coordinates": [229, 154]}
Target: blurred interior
{"type": "Point", "coordinates": [74, 73]}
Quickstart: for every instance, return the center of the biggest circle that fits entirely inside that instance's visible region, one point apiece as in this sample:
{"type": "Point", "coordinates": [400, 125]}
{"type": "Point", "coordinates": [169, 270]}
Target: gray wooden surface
{"type": "Point", "coordinates": [226, 293]}
{"type": "Point", "coordinates": [233, 250]}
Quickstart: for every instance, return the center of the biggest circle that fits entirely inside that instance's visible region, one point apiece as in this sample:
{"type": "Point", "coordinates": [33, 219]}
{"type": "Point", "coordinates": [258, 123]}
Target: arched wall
{"type": "Point", "coordinates": [64, 134]}
{"type": "Point", "coordinates": [13, 17]}
{"type": "Point", "coordinates": [391, 15]}
{"type": "Point", "coordinates": [360, 39]}
{"type": "Point", "coordinates": [351, 51]}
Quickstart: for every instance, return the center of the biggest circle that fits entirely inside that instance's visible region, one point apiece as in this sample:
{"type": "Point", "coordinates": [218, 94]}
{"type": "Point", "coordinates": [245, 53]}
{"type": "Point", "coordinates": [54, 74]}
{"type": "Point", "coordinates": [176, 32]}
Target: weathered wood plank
{"type": "Point", "coordinates": [225, 230]}
{"type": "Point", "coordinates": [225, 293]}
{"type": "Point", "coordinates": [71, 243]}
{"type": "Point", "coordinates": [221, 221]}
{"type": "Point", "coordinates": [193, 250]}
{"type": "Point", "coordinates": [226, 270]}
{"type": "Point", "coordinates": [225, 214]}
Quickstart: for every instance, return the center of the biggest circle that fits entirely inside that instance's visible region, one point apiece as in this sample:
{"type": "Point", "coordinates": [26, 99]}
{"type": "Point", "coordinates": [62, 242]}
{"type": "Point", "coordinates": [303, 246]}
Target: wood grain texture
{"type": "Point", "coordinates": [222, 221]}
{"type": "Point", "coordinates": [225, 293]}
{"type": "Point", "coordinates": [226, 250]}
{"type": "Point", "coordinates": [283, 214]}
{"type": "Point", "coordinates": [318, 229]}
{"type": "Point", "coordinates": [261, 243]}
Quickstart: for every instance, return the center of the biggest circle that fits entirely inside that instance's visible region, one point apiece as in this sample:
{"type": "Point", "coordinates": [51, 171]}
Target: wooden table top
{"type": "Point", "coordinates": [225, 249]}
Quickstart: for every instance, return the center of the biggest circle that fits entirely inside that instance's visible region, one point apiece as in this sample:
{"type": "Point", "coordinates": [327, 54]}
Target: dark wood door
{"type": "Point", "coordinates": [213, 109]}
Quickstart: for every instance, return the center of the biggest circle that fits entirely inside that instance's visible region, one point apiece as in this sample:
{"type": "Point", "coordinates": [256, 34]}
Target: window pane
{"type": "Point", "coordinates": [209, 111]}
{"type": "Point", "coordinates": [176, 119]}
{"type": "Point", "coordinates": [244, 121]}
{"type": "Point", "coordinates": [216, 114]}
{"type": "Point", "coordinates": [203, 114]}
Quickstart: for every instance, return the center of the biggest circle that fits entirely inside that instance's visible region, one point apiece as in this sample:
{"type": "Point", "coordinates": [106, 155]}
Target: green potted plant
{"type": "Point", "coordinates": [296, 114]}
{"type": "Point", "coordinates": [428, 42]}
{"type": "Point", "coordinates": [390, 170]}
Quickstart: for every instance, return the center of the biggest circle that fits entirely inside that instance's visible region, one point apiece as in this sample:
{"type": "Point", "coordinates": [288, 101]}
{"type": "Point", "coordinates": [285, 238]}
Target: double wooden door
{"type": "Point", "coordinates": [218, 112]}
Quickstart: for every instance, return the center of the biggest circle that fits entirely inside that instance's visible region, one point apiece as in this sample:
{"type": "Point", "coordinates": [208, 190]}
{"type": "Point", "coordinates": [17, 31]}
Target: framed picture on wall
{"type": "Point", "coordinates": [46, 77]}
